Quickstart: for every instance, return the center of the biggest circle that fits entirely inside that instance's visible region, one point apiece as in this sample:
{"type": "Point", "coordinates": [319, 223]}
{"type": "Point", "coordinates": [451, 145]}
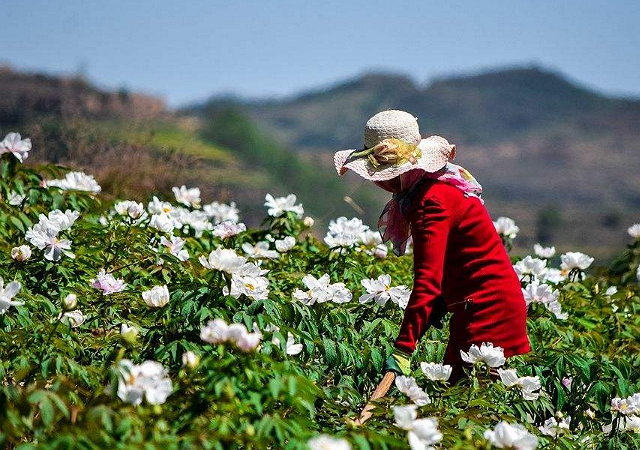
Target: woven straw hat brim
{"type": "Point", "coordinates": [436, 151]}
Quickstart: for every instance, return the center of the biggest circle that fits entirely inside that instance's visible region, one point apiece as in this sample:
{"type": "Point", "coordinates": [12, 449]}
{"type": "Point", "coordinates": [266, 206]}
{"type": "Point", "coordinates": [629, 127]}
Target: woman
{"type": "Point", "coordinates": [460, 264]}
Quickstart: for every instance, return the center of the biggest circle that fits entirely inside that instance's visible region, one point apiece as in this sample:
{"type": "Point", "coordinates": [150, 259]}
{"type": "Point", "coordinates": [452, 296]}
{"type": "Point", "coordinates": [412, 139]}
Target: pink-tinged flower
{"type": "Point", "coordinates": [107, 283]}
{"type": "Point", "coordinates": [14, 144]}
{"type": "Point", "coordinates": [228, 229]}
{"type": "Point", "coordinates": [174, 246]}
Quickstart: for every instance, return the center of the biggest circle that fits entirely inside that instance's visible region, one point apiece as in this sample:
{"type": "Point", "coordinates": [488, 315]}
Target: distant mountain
{"type": "Point", "coordinates": [558, 157]}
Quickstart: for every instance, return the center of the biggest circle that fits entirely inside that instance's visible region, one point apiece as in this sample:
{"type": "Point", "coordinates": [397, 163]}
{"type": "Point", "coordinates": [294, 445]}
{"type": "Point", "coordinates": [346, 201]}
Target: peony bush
{"type": "Point", "coordinates": [171, 325]}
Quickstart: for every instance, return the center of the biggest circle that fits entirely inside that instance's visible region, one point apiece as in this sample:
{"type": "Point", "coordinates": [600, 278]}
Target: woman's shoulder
{"type": "Point", "coordinates": [439, 191]}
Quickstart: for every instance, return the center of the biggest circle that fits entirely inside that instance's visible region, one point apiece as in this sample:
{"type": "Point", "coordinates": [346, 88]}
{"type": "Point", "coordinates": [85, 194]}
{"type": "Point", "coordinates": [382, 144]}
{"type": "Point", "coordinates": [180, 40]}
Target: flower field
{"type": "Point", "coordinates": [171, 325]}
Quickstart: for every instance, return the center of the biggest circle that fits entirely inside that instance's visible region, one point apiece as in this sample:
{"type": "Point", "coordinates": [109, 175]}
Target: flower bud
{"type": "Point", "coordinates": [21, 253]}
{"type": "Point", "coordinates": [190, 360]}
{"type": "Point", "coordinates": [70, 302]}
{"type": "Point", "coordinates": [129, 334]}
{"type": "Point", "coordinates": [308, 222]}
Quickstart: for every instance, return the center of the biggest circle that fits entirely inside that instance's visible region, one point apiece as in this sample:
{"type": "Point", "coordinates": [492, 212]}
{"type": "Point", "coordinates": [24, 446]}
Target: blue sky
{"type": "Point", "coordinates": [187, 50]}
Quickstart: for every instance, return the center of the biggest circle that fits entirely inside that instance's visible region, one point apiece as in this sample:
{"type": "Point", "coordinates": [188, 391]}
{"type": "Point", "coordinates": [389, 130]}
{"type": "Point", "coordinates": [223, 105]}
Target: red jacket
{"type": "Point", "coordinates": [460, 262]}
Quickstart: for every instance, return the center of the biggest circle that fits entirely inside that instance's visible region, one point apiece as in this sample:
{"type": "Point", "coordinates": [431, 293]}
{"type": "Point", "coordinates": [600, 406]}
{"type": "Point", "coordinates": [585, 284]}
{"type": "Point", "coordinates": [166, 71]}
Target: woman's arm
{"type": "Point", "coordinates": [430, 226]}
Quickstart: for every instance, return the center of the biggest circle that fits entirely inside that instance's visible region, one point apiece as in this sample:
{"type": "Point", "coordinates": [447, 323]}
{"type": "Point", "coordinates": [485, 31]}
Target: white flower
{"type": "Point", "coordinates": [487, 353]}
{"type": "Point", "coordinates": [223, 259]}
{"type": "Point", "coordinates": [345, 233]}
{"type": "Point", "coordinates": [515, 436]}
{"type": "Point", "coordinates": [531, 266]}
{"type": "Point", "coordinates": [14, 144]}
{"type": "Point", "coordinates": [381, 291]}
{"type": "Point", "coordinates": [308, 222]}
{"type": "Point", "coordinates": [73, 318]}
{"type": "Point", "coordinates": [156, 206]}
{"type": "Point", "coordinates": [544, 252]}
{"type": "Point", "coordinates": [527, 385]}
{"type": "Point", "coordinates": [556, 309]}
{"type": "Point", "coordinates": [16, 199]}
{"type": "Point", "coordinates": [44, 234]}
{"type": "Point", "coordinates": [189, 197]}
{"type": "Point", "coordinates": [6, 295]}
{"type": "Point", "coordinates": [317, 290]}
{"type": "Point", "coordinates": [634, 231]}
{"type": "Point", "coordinates": [148, 380]}
{"type": "Point", "coordinates": [405, 415]}
{"type": "Point", "coordinates": [292, 347]}
{"type": "Point", "coordinates": [408, 386]}
{"type": "Point", "coordinates": [575, 260]}
{"type": "Point", "coordinates": [381, 251]}
{"type": "Point", "coordinates": [162, 222]}
{"type": "Point", "coordinates": [70, 302]}
{"type": "Point", "coordinates": [21, 253]}
{"type": "Point", "coordinates": [174, 246]}
{"type": "Point", "coordinates": [156, 297]}
{"type": "Point", "coordinates": [435, 371]}
{"type": "Point", "coordinates": [190, 359]}
{"type": "Point", "coordinates": [46, 238]}
{"type": "Point", "coordinates": [554, 276]}
{"type": "Point", "coordinates": [286, 244]}
{"type": "Point", "coordinates": [217, 331]}
{"type": "Point", "coordinates": [281, 205]}
{"type": "Point", "coordinates": [108, 283]}
{"type": "Point", "coordinates": [611, 290]}
{"type": "Point", "coordinates": [631, 423]}
{"type": "Point", "coordinates": [76, 181]}
{"type": "Point", "coordinates": [320, 290]}
{"type": "Point", "coordinates": [370, 238]}
{"type": "Point", "coordinates": [260, 250]}
{"type": "Point", "coordinates": [628, 406]}
{"type": "Point", "coordinates": [129, 333]}
{"type": "Point", "coordinates": [423, 433]}
{"type": "Point", "coordinates": [129, 208]}
{"type": "Point", "coordinates": [221, 212]}
{"type": "Point", "coordinates": [552, 427]}
{"type": "Point", "coordinates": [228, 229]}
{"type": "Point", "coordinates": [506, 227]}
{"type": "Point", "coordinates": [542, 293]}
{"type": "Point", "coordinates": [539, 293]}
{"type": "Point", "coordinates": [326, 442]}
{"type": "Point", "coordinates": [248, 280]}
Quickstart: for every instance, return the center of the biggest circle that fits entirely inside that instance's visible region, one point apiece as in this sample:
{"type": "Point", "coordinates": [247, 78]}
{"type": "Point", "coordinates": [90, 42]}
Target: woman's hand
{"type": "Point", "coordinates": [398, 362]}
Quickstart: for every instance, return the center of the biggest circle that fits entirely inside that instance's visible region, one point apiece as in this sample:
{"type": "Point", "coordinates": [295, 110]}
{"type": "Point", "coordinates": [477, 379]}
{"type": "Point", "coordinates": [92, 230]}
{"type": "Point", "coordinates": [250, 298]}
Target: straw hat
{"type": "Point", "coordinates": [393, 146]}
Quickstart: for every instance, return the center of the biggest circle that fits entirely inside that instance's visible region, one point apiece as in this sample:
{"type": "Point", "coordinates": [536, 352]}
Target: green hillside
{"type": "Point", "coordinates": [559, 158]}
